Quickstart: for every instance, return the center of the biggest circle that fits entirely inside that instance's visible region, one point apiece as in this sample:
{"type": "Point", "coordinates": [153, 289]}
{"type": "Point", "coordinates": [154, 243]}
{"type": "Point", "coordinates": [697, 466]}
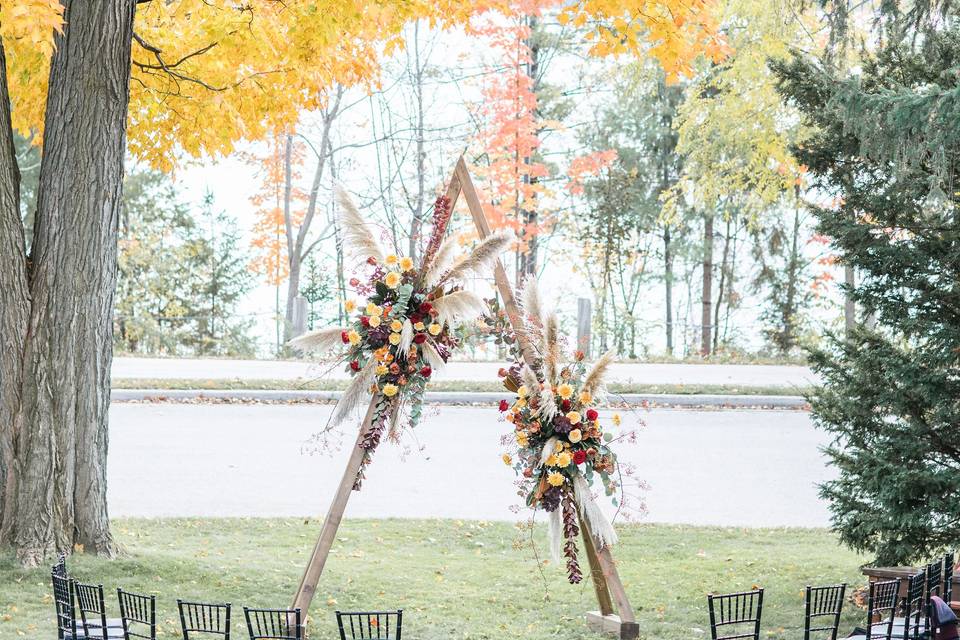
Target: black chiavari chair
{"type": "Point", "coordinates": [948, 564]}
{"type": "Point", "coordinates": [60, 567]}
{"type": "Point", "coordinates": [64, 599]}
{"type": "Point", "coordinates": [882, 604]}
{"type": "Point", "coordinates": [199, 618]}
{"type": "Point", "coordinates": [914, 608]}
{"type": "Point", "coordinates": [273, 624]}
{"type": "Point", "coordinates": [93, 612]}
{"type": "Point", "coordinates": [370, 625]}
{"type": "Point", "coordinates": [823, 604]}
{"type": "Point", "coordinates": [138, 614]}
{"type": "Point", "coordinates": [740, 611]}
{"type": "Point", "coordinates": [933, 587]}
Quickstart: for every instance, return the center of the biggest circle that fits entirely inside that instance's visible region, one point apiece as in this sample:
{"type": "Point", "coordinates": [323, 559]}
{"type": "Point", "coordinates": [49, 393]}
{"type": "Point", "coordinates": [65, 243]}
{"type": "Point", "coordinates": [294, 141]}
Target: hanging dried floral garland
{"type": "Point", "coordinates": [559, 446]}
{"type": "Point", "coordinates": [404, 331]}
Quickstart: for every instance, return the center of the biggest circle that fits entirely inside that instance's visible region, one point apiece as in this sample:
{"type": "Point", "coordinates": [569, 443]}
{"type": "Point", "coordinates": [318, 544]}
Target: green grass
{"type": "Point", "coordinates": [454, 579]}
{"type": "Point", "coordinates": [234, 384]}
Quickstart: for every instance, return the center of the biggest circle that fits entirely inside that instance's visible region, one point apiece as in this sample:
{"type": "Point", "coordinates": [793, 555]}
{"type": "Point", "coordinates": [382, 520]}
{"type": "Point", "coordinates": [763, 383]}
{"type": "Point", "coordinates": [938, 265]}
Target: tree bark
{"type": "Point", "coordinates": [668, 286]}
{"type": "Point", "coordinates": [59, 496]}
{"type": "Point", "coordinates": [14, 302]}
{"type": "Point", "coordinates": [706, 300]}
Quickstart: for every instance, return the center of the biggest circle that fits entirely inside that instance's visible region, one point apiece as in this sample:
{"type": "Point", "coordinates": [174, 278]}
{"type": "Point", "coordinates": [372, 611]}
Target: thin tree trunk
{"type": "Point", "coordinates": [793, 273]}
{"type": "Point", "coordinates": [721, 287]}
{"type": "Point", "coordinates": [528, 213]}
{"type": "Point", "coordinates": [706, 299]}
{"type": "Point", "coordinates": [668, 285]}
{"type": "Point", "coordinates": [60, 443]}
{"type": "Point", "coordinates": [417, 222]}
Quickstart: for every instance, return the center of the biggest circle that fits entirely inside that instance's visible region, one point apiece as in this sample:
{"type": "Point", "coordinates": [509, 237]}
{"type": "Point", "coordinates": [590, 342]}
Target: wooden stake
{"type": "Point", "coordinates": [328, 533]}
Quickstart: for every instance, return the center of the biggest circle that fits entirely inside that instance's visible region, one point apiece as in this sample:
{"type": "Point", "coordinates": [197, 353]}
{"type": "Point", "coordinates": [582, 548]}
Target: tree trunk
{"type": "Point", "coordinates": [668, 285]}
{"type": "Point", "coordinates": [722, 286]}
{"type": "Point", "coordinates": [528, 212]}
{"type": "Point", "coordinates": [706, 299]}
{"type": "Point", "coordinates": [14, 305]}
{"type": "Point", "coordinates": [417, 221]}
{"type": "Point", "coordinates": [58, 496]}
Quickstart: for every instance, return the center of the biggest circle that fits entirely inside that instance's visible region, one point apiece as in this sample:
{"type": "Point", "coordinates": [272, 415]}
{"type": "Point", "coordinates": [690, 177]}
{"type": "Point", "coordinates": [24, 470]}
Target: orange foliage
{"type": "Point", "coordinates": [588, 165]}
{"type": "Point", "coordinates": [271, 259]}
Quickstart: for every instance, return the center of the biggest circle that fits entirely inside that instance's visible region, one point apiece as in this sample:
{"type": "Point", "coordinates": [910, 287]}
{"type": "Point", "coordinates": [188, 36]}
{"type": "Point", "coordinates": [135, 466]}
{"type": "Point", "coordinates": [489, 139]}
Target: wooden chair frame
{"type": "Point", "coordinates": [603, 569]}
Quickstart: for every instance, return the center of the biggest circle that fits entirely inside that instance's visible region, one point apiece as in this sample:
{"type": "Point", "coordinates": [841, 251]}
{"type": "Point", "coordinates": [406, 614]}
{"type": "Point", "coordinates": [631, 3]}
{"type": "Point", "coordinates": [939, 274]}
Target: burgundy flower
{"type": "Point", "coordinates": [562, 424]}
{"type": "Point", "coordinates": [365, 321]}
{"type": "Point", "coordinates": [592, 414]}
{"type": "Point", "coordinates": [426, 371]}
{"type": "Point", "coordinates": [565, 405]}
{"type": "Point", "coordinates": [355, 365]}
{"type": "Point", "coordinates": [579, 457]}
{"type": "Point", "coordinates": [425, 307]}
{"type": "Point", "coordinates": [344, 337]}
{"type": "Point", "coordinates": [420, 338]}
{"type": "Point", "coordinates": [504, 405]}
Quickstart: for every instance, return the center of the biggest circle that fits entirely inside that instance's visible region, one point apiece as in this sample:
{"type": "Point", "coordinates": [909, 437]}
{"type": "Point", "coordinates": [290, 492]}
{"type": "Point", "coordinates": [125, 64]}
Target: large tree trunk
{"type": "Point", "coordinates": [59, 495]}
{"type": "Point", "coordinates": [706, 300]}
{"type": "Point", "coordinates": [14, 296]}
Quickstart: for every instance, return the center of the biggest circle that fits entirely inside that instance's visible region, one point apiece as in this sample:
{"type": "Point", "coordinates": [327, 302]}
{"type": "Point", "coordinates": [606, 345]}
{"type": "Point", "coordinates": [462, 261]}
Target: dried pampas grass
{"type": "Point", "coordinates": [459, 306]}
{"type": "Point", "coordinates": [480, 260]}
{"type": "Point", "coordinates": [598, 372]}
{"type": "Point", "coordinates": [319, 341]}
{"type": "Point", "coordinates": [358, 240]}
{"type": "Point", "coordinates": [352, 396]}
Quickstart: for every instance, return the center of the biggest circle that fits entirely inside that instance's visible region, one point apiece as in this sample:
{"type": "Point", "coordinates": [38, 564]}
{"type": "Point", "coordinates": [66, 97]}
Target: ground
{"type": "Point", "coordinates": [454, 579]}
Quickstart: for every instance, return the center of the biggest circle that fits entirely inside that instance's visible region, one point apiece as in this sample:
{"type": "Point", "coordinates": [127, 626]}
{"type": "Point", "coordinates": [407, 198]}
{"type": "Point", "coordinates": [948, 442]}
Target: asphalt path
{"type": "Point", "coordinates": [731, 467]}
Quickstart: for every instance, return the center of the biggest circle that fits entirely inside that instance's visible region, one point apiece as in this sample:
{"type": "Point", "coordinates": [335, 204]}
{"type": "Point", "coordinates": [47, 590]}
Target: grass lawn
{"type": "Point", "coordinates": [236, 384]}
{"type": "Point", "coordinates": [454, 579]}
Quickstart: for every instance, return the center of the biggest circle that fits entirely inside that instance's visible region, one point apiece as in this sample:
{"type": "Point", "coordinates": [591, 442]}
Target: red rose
{"type": "Point", "coordinates": [565, 405]}
{"type": "Point", "coordinates": [420, 338]}
{"type": "Point", "coordinates": [365, 321]}
{"type": "Point", "coordinates": [425, 307]}
{"type": "Point", "coordinates": [415, 318]}
{"type": "Point", "coordinates": [592, 414]}
{"type": "Point", "coordinates": [355, 365]}
{"type": "Point", "coordinates": [426, 371]}
{"type": "Point", "coordinates": [504, 405]}
{"type": "Point", "coordinates": [354, 282]}
{"type": "Point", "coordinates": [345, 337]}
{"type": "Point", "coordinates": [579, 457]}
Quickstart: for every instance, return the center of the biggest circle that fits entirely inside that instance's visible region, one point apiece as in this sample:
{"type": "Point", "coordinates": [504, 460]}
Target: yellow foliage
{"type": "Point", "coordinates": [208, 73]}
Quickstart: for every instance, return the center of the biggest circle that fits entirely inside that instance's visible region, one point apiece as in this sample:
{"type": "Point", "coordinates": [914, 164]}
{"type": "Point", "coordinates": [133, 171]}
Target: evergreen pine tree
{"type": "Point", "coordinates": [885, 148]}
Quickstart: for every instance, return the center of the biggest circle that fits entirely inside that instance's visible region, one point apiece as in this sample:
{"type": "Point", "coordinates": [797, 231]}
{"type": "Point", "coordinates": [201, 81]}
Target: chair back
{"type": "Point", "coordinates": [822, 607]}
{"type": "Point", "coordinates": [913, 607]}
{"type": "Point", "coordinates": [138, 614]}
{"type": "Point", "coordinates": [370, 625]}
{"type": "Point", "coordinates": [199, 618]}
{"type": "Point", "coordinates": [273, 624]}
{"type": "Point", "coordinates": [93, 611]}
{"type": "Point", "coordinates": [60, 567]}
{"type": "Point", "coordinates": [735, 615]}
{"type": "Point", "coordinates": [882, 605]}
{"type": "Point", "coordinates": [64, 599]}
{"type": "Point", "coordinates": [948, 564]}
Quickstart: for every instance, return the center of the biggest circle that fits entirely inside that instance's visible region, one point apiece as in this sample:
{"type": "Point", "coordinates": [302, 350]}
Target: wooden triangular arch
{"type": "Point", "coordinates": [606, 579]}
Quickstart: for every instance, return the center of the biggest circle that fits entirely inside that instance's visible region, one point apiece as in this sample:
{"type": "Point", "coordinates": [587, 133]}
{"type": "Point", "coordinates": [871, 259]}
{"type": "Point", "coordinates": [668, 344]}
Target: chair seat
{"type": "Point", "coordinates": [112, 632]}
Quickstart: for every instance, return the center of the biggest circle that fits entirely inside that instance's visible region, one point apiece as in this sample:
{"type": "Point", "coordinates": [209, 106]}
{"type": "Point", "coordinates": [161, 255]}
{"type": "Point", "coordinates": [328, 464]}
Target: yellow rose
{"type": "Point", "coordinates": [381, 369]}
{"type": "Point", "coordinates": [551, 461]}
{"type": "Point", "coordinates": [373, 310]}
{"type": "Point", "coordinates": [392, 279]}
{"type": "Point", "coordinates": [406, 263]}
{"type": "Point", "coordinates": [390, 390]}
{"type": "Point", "coordinates": [354, 337]}
{"type": "Point", "coordinates": [565, 391]}
{"type": "Point", "coordinates": [575, 436]}
{"type": "Point", "coordinates": [523, 392]}
{"type": "Point", "coordinates": [374, 321]}
{"type": "Point", "coordinates": [555, 479]}
{"type": "Point", "coordinates": [585, 397]}
{"type": "Point", "coordinates": [564, 459]}
{"type": "Point", "coordinates": [349, 306]}
{"type": "Point", "coordinates": [616, 419]}
{"type": "Point", "coordinates": [520, 403]}
{"type": "Point", "coordinates": [574, 417]}
{"type": "Point", "coordinates": [507, 460]}
{"type": "Point", "coordinates": [391, 260]}
{"type": "Point", "coordinates": [419, 326]}
{"type": "Point", "coordinates": [396, 325]}
{"type": "Point", "coordinates": [558, 447]}
{"type": "Point", "coordinates": [435, 329]}
{"type": "Point", "coordinates": [394, 338]}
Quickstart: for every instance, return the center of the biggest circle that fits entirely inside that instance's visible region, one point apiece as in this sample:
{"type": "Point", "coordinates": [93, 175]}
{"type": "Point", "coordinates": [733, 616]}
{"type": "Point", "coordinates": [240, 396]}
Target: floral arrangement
{"type": "Point", "coordinates": [559, 447]}
{"type": "Point", "coordinates": [403, 331]}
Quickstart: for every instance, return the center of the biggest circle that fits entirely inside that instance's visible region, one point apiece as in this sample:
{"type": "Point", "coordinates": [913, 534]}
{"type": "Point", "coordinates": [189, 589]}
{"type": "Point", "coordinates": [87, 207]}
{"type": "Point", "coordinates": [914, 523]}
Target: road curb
{"type": "Point", "coordinates": [455, 398]}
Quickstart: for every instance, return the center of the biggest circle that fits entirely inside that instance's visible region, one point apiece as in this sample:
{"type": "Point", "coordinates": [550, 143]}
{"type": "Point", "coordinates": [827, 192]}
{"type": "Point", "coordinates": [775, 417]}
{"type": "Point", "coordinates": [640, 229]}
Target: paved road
{"type": "Point", "coordinates": [749, 468]}
{"type": "Point", "coordinates": [726, 374]}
